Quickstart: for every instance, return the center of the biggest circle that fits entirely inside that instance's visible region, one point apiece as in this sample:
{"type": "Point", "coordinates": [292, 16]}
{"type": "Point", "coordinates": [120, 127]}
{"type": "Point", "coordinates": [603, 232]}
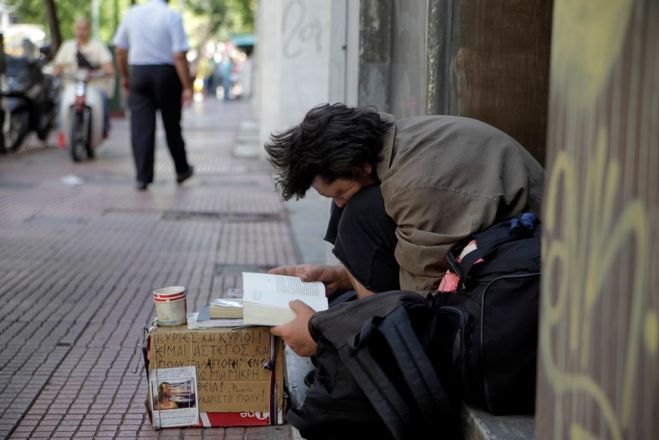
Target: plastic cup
{"type": "Point", "coordinates": [171, 307]}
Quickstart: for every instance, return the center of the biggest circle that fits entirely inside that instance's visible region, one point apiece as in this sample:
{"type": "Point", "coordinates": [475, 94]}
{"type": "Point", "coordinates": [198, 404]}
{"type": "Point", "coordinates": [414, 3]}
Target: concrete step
{"type": "Point", "coordinates": [481, 425]}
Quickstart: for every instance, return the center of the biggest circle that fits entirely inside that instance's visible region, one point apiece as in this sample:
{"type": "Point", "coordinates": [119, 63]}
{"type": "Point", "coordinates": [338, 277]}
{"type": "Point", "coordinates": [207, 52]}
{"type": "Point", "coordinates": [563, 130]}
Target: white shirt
{"type": "Point", "coordinates": [95, 51]}
{"type": "Point", "coordinates": [151, 33]}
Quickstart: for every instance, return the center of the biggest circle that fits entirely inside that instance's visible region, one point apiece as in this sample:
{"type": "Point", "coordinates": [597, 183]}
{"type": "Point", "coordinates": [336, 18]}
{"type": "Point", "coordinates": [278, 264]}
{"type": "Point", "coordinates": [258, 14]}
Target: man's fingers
{"type": "Point", "coordinates": [300, 307]}
{"type": "Point", "coordinates": [277, 331]}
{"type": "Point", "coordinates": [281, 270]}
{"type": "Point", "coordinates": [313, 272]}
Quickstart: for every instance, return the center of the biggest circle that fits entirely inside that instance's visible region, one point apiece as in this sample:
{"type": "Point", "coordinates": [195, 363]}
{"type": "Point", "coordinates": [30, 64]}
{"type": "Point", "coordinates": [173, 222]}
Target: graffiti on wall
{"type": "Point", "coordinates": [599, 336]}
{"type": "Point", "coordinates": [301, 30]}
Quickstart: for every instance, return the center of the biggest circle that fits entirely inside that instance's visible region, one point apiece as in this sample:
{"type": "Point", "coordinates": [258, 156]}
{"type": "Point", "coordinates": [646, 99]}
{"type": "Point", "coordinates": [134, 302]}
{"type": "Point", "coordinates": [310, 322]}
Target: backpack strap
{"type": "Point", "coordinates": [416, 368]}
{"type": "Point", "coordinates": [376, 385]}
{"type": "Point", "coordinates": [490, 239]}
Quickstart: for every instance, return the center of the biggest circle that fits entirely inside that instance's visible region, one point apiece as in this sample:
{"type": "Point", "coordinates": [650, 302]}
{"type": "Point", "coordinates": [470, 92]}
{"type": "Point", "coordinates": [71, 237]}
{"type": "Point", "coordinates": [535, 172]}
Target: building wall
{"type": "Point", "coordinates": [598, 372]}
{"type": "Point", "coordinates": [409, 55]}
{"type": "Point", "coordinates": [293, 60]}
{"type": "Point", "coordinates": [300, 65]}
{"type": "Point", "coordinates": [477, 58]}
{"type": "Point", "coordinates": [374, 84]}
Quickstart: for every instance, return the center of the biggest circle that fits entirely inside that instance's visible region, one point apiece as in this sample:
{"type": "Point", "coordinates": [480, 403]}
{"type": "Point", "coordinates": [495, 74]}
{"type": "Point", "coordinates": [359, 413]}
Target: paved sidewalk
{"type": "Point", "coordinates": [81, 250]}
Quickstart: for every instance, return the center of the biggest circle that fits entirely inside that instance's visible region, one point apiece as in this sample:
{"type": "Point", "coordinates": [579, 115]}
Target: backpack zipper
{"type": "Point", "coordinates": [467, 325]}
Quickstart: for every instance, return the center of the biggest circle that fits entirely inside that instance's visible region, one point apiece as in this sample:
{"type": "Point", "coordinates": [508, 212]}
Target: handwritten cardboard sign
{"type": "Point", "coordinates": [229, 365]}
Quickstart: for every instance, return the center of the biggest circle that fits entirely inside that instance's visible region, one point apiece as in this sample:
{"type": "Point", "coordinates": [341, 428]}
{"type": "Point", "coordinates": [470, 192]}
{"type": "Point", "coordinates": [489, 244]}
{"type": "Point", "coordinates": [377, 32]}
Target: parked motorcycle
{"type": "Point", "coordinates": [81, 110]}
{"type": "Point", "coordinates": [29, 99]}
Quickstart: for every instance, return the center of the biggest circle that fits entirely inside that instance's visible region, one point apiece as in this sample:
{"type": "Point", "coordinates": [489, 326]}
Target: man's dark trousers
{"type": "Point", "coordinates": [154, 87]}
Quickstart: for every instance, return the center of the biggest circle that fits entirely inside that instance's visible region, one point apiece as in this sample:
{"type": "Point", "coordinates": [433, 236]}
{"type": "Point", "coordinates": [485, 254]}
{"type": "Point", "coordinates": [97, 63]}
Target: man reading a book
{"type": "Point", "coordinates": [403, 193]}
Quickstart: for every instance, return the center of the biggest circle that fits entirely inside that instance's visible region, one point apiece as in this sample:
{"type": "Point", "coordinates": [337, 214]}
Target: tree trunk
{"type": "Point", "coordinates": [53, 25]}
{"type": "Point", "coordinates": [115, 14]}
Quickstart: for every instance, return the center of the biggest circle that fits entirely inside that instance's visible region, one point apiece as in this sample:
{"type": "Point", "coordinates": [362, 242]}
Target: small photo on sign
{"type": "Point", "coordinates": [174, 396]}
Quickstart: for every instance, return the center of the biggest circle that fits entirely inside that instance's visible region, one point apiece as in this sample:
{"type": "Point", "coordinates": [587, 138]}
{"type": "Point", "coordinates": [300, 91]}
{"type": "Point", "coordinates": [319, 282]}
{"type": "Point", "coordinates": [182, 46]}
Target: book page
{"type": "Point", "coordinates": [279, 290]}
{"type": "Point", "coordinates": [229, 303]}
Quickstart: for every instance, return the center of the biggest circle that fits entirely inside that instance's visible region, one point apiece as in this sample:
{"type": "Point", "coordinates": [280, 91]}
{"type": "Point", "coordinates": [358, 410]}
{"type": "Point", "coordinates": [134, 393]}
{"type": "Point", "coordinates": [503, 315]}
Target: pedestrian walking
{"type": "Point", "coordinates": [151, 56]}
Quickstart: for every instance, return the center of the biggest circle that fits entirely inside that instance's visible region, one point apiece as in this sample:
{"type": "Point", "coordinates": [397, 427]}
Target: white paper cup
{"type": "Point", "coordinates": [171, 307]}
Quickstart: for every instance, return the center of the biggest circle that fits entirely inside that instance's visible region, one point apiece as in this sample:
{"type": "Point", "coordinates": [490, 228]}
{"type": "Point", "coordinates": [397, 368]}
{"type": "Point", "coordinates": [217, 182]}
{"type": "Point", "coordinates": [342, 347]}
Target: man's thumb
{"type": "Point", "coordinates": [299, 306]}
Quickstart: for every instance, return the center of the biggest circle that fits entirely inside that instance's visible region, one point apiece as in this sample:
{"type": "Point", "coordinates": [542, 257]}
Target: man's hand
{"type": "Point", "coordinates": [295, 333]}
{"type": "Point", "coordinates": [122, 66]}
{"type": "Point", "coordinates": [335, 278]}
{"type": "Point", "coordinates": [124, 85]}
{"type": "Point", "coordinates": [183, 72]}
{"type": "Point", "coordinates": [186, 97]}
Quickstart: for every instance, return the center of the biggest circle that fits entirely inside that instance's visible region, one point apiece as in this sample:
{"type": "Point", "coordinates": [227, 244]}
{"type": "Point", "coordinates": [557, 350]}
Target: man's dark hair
{"type": "Point", "coordinates": [333, 141]}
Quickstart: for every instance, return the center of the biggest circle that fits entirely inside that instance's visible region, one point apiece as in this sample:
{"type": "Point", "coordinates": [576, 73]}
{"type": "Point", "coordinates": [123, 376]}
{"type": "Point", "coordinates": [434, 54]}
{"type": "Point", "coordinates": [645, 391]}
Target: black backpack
{"type": "Point", "coordinates": [397, 365]}
{"type": "Point", "coordinates": [373, 377]}
{"type": "Point", "coordinates": [494, 315]}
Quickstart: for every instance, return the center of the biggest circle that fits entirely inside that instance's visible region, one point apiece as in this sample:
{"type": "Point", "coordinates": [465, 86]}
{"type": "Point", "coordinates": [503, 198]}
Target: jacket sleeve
{"type": "Point", "coordinates": [429, 223]}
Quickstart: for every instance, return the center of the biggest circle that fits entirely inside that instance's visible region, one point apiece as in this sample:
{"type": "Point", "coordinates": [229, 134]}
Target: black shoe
{"type": "Point", "coordinates": [141, 186]}
{"type": "Point", "coordinates": [182, 177]}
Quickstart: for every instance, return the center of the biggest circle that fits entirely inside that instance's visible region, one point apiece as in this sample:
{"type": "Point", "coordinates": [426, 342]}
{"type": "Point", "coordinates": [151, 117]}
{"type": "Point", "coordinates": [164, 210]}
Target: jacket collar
{"type": "Point", "coordinates": [387, 153]}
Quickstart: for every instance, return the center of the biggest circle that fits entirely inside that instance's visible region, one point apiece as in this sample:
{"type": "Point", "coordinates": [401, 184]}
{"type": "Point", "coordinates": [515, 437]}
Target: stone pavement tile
{"type": "Point", "coordinates": [5, 429]}
{"type": "Point", "coordinates": [125, 434]}
{"type": "Point", "coordinates": [235, 433]}
{"type": "Point", "coordinates": [15, 435]}
{"type": "Point", "coordinates": [41, 433]}
{"type": "Point", "coordinates": [61, 434]}
{"type": "Point", "coordinates": [149, 432]}
{"type": "Point", "coordinates": [165, 434]}
{"type": "Point", "coordinates": [50, 423]}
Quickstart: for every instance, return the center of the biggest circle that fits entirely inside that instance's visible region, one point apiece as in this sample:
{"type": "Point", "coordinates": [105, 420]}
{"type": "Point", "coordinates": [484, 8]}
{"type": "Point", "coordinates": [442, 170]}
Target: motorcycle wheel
{"type": "Point", "coordinates": [88, 133]}
{"type": "Point", "coordinates": [78, 138]}
{"type": "Point", "coordinates": [17, 126]}
{"type": "Point", "coordinates": [43, 133]}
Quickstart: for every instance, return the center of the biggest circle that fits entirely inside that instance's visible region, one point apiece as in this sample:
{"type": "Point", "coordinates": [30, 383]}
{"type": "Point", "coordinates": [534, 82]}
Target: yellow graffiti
{"type": "Point", "coordinates": [586, 40]}
{"type": "Point", "coordinates": [651, 336]}
{"type": "Point", "coordinates": [585, 235]}
{"type": "Point", "coordinates": [577, 432]}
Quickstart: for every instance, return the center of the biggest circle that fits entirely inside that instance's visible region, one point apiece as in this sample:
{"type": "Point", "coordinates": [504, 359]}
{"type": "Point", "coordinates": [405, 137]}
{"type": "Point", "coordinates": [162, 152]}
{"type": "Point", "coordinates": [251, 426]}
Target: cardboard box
{"type": "Point", "coordinates": [231, 383]}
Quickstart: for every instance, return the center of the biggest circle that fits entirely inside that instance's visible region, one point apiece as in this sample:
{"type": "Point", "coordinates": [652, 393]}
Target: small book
{"type": "Point", "coordinates": [266, 297]}
{"type": "Point", "coordinates": [196, 321]}
{"type": "Point", "coordinates": [226, 308]}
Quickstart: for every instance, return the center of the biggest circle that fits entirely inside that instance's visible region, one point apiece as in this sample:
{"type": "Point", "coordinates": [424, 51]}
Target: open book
{"type": "Point", "coordinates": [266, 297]}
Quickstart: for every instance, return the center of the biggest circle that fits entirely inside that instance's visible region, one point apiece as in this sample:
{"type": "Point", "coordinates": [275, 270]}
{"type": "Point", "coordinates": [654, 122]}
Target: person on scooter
{"type": "Point", "coordinates": [90, 53]}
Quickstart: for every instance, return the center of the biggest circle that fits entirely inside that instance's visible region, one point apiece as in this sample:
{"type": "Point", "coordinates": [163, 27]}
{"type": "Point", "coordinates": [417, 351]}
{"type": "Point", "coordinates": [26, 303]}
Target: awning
{"type": "Point", "coordinates": [244, 40]}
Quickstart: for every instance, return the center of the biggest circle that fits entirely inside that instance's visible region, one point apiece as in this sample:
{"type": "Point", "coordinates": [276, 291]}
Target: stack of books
{"type": "Point", "coordinates": [221, 312]}
{"type": "Point", "coordinates": [263, 300]}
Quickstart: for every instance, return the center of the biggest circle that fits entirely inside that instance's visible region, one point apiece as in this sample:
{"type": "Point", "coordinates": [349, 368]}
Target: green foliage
{"type": "Point", "coordinates": [112, 11]}
{"type": "Point", "coordinates": [219, 19]}
{"type": "Point", "coordinates": [33, 11]}
{"type": "Point", "coordinates": [205, 19]}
